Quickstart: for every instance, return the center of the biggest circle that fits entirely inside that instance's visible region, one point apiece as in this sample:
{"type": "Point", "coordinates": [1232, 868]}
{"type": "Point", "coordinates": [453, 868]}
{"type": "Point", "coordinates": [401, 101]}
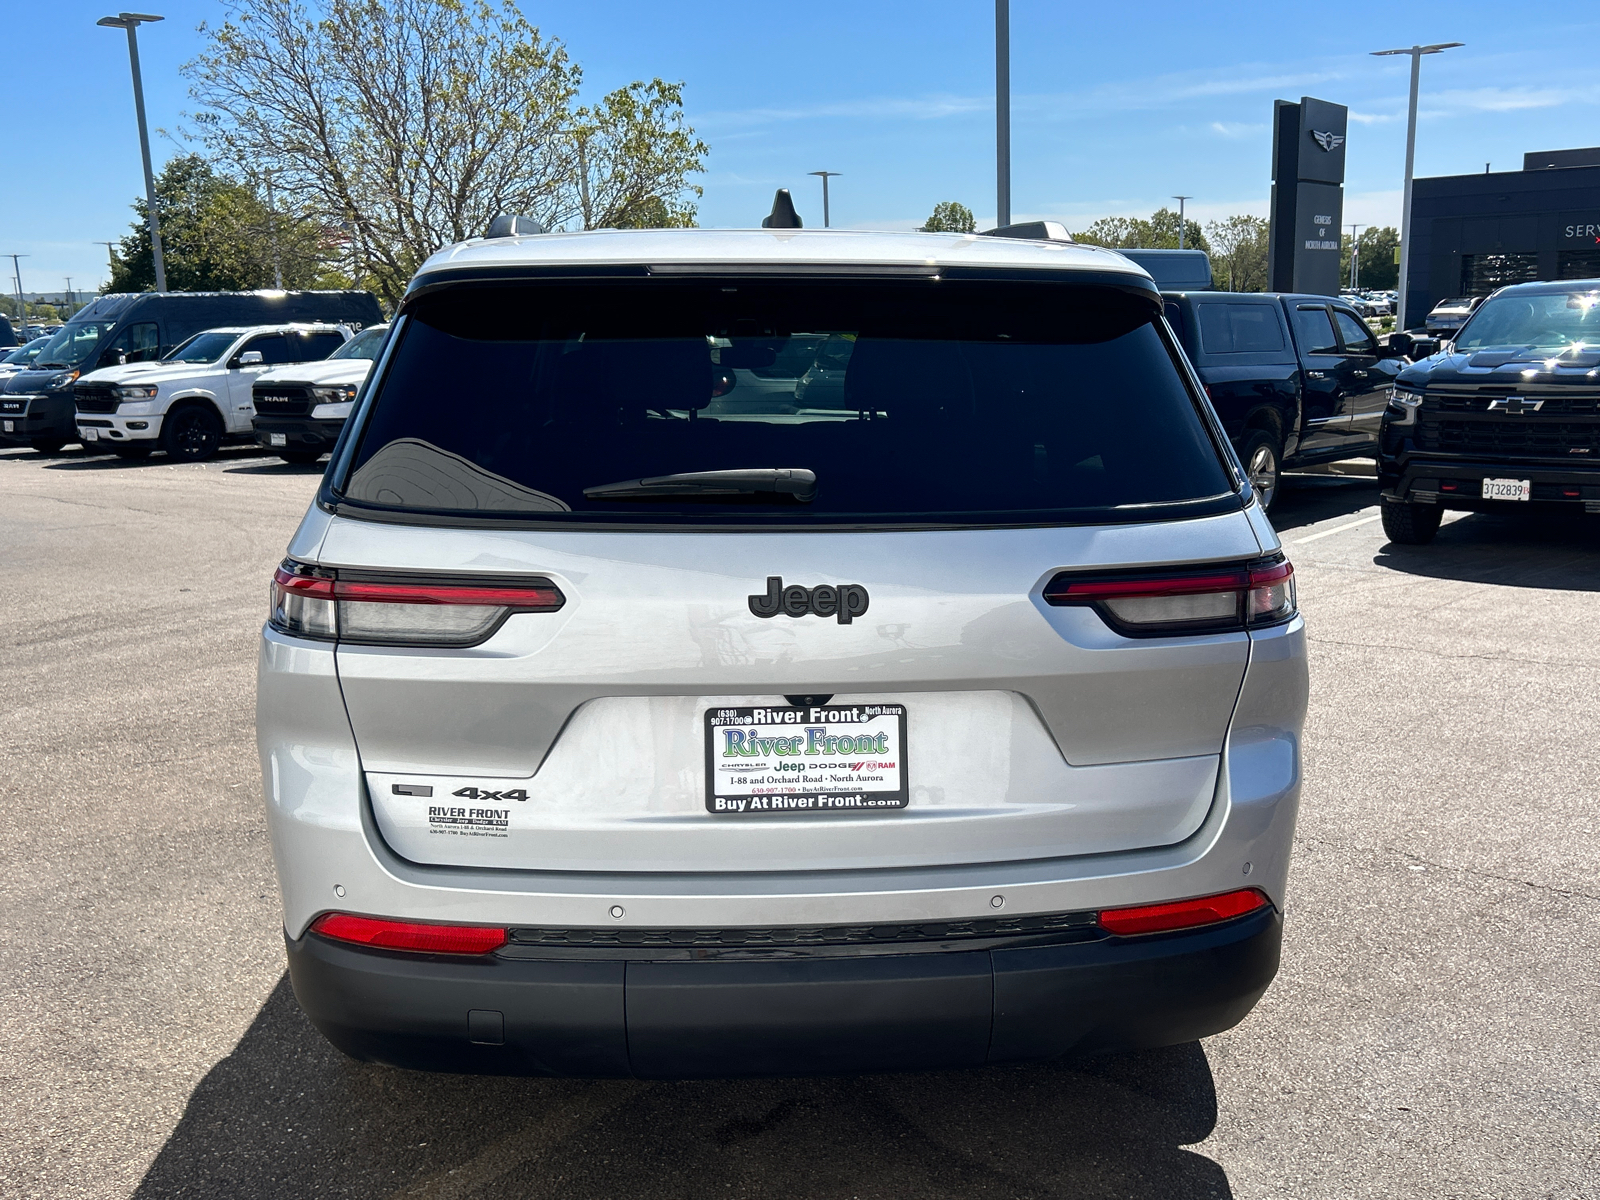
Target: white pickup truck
{"type": "Point", "coordinates": [300, 410]}
{"type": "Point", "coordinates": [196, 397]}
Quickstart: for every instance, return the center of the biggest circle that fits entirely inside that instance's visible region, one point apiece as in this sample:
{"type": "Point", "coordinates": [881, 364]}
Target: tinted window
{"type": "Point", "coordinates": [1357, 337]}
{"type": "Point", "coordinates": [1240, 328]}
{"type": "Point", "coordinates": [203, 348]}
{"type": "Point", "coordinates": [928, 402]}
{"type": "Point", "coordinates": [137, 343]}
{"type": "Point", "coordinates": [274, 348]}
{"type": "Point", "coordinates": [365, 344]}
{"type": "Point", "coordinates": [1314, 331]}
{"type": "Point", "coordinates": [314, 347]}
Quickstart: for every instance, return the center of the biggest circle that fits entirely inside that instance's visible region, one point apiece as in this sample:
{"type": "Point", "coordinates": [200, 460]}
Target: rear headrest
{"type": "Point", "coordinates": [908, 378]}
{"type": "Point", "coordinates": [628, 377]}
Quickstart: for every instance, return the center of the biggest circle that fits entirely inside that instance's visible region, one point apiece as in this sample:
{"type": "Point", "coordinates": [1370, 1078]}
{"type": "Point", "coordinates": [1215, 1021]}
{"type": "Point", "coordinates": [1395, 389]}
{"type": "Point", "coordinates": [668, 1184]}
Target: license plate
{"type": "Point", "coordinates": [278, 439]}
{"type": "Point", "coordinates": [11, 427]}
{"type": "Point", "coordinates": [89, 435]}
{"type": "Point", "coordinates": [1507, 489]}
{"type": "Point", "coordinates": [766, 761]}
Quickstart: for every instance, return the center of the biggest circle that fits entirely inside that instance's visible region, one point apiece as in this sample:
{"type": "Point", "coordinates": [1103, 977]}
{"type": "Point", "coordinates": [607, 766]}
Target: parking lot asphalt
{"type": "Point", "coordinates": [1433, 1031]}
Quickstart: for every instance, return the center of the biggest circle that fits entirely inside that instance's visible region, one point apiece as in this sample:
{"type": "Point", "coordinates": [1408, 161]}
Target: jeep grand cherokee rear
{"type": "Point", "coordinates": [607, 729]}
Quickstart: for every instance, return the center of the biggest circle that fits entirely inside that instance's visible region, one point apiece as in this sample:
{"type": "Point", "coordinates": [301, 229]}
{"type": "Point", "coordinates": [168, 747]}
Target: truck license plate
{"type": "Point", "coordinates": [278, 439]}
{"type": "Point", "coordinates": [1507, 489]}
{"type": "Point", "coordinates": [11, 427]}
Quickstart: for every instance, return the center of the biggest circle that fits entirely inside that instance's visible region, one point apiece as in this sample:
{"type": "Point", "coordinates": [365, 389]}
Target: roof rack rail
{"type": "Point", "coordinates": [510, 225]}
{"type": "Point", "coordinates": [783, 215]}
{"type": "Point", "coordinates": [1036, 231]}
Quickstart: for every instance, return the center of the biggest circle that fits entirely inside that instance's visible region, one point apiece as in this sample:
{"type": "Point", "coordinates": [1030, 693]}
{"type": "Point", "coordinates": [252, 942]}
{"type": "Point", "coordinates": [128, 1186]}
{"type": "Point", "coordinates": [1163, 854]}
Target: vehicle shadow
{"type": "Point", "coordinates": [74, 459]}
{"type": "Point", "coordinates": [285, 1114]}
{"type": "Point", "coordinates": [1559, 551]}
{"type": "Point", "coordinates": [276, 466]}
{"type": "Point", "coordinates": [1305, 499]}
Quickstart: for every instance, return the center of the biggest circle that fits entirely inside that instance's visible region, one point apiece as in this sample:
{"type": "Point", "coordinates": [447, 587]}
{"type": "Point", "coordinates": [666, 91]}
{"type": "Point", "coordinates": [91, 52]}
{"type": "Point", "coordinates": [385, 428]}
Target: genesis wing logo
{"type": "Point", "coordinates": [1328, 141]}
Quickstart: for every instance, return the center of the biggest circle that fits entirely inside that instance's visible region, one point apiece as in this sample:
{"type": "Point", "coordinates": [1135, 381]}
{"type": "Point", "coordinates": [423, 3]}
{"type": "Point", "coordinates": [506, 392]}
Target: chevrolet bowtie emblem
{"type": "Point", "coordinates": [1328, 141]}
{"type": "Point", "coordinates": [1515, 405]}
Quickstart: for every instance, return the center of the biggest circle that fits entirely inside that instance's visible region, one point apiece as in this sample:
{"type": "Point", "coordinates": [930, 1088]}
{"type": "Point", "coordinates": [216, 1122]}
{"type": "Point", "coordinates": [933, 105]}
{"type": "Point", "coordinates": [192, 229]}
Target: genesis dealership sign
{"type": "Point", "coordinates": [1308, 142]}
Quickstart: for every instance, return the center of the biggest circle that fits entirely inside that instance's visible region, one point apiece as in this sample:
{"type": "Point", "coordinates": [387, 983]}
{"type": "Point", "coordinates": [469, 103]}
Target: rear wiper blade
{"type": "Point", "coordinates": [797, 482]}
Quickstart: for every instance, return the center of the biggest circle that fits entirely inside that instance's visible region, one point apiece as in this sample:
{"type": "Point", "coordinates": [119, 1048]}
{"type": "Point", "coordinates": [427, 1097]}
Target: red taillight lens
{"type": "Point", "coordinates": [416, 612]}
{"type": "Point", "coordinates": [419, 937]}
{"type": "Point", "coordinates": [1208, 600]}
{"type": "Point", "coordinates": [1182, 914]}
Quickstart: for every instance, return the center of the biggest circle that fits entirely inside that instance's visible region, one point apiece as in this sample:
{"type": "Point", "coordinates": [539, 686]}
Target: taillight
{"type": "Point", "coordinates": [1182, 914]}
{"type": "Point", "coordinates": [350, 607]}
{"type": "Point", "coordinates": [417, 936]}
{"type": "Point", "coordinates": [1219, 599]}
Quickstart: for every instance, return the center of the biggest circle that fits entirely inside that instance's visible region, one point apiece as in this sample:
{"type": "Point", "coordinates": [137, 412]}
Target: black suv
{"type": "Point", "coordinates": [1507, 413]}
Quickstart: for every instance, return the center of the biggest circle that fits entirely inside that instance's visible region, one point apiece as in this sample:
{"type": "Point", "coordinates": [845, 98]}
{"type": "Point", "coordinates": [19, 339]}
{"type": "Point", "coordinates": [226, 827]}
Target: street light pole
{"type": "Point", "coordinates": [1416, 53]}
{"type": "Point", "coordinates": [826, 175]}
{"type": "Point", "coordinates": [1355, 255]}
{"type": "Point", "coordinates": [111, 257]}
{"type": "Point", "coordinates": [22, 307]}
{"type": "Point", "coordinates": [1002, 111]}
{"type": "Point", "coordinates": [131, 22]}
{"type": "Point", "coordinates": [1180, 200]}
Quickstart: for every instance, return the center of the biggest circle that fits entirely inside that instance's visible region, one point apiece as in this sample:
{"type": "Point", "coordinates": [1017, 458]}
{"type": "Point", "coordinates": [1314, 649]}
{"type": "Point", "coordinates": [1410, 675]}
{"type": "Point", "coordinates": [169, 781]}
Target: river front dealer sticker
{"type": "Point", "coordinates": [849, 758]}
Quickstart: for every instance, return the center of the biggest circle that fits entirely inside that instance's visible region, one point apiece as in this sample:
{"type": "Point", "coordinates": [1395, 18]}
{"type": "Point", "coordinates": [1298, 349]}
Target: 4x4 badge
{"type": "Point", "coordinates": [846, 601]}
{"type": "Point", "coordinates": [1515, 405]}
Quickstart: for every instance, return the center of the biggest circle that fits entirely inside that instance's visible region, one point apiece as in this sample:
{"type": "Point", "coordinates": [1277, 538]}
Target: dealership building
{"type": "Point", "coordinates": [1473, 233]}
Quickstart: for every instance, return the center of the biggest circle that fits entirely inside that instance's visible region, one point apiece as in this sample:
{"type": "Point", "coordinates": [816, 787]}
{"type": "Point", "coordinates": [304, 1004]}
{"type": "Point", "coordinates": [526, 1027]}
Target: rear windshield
{"type": "Point", "coordinates": [927, 402]}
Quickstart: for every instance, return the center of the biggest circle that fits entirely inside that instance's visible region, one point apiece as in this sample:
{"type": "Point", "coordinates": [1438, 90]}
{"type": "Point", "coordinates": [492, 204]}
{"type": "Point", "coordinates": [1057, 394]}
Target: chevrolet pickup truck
{"type": "Point", "coordinates": [1505, 416]}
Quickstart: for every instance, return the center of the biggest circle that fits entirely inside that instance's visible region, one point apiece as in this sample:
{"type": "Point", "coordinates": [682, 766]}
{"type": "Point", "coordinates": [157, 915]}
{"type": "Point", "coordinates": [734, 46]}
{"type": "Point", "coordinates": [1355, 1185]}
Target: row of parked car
{"type": "Point", "coordinates": [185, 372]}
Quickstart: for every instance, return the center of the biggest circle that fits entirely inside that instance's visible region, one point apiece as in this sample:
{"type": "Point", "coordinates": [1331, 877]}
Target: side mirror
{"type": "Point", "coordinates": [1424, 347]}
{"type": "Point", "coordinates": [251, 358]}
{"type": "Point", "coordinates": [110, 358]}
{"type": "Point", "coordinates": [1396, 345]}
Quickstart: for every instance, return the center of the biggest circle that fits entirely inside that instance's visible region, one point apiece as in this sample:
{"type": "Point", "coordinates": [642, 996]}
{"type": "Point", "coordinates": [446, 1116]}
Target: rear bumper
{"type": "Point", "coordinates": [801, 1014]}
{"type": "Point", "coordinates": [298, 433]}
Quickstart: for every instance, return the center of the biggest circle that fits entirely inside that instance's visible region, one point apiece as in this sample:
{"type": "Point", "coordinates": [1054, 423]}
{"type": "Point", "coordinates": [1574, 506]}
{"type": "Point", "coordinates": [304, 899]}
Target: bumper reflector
{"type": "Point", "coordinates": [409, 935]}
{"type": "Point", "coordinates": [1182, 914]}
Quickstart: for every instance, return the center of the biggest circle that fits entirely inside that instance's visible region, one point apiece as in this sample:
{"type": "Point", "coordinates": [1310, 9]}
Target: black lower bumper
{"type": "Point", "coordinates": [793, 1015]}
{"type": "Point", "coordinates": [298, 433]}
{"type": "Point", "coordinates": [48, 418]}
{"type": "Point", "coordinates": [1458, 482]}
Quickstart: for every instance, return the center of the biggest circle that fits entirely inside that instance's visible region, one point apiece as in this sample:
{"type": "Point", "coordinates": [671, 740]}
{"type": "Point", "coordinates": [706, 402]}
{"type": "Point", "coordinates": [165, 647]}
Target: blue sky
{"type": "Point", "coordinates": [1115, 106]}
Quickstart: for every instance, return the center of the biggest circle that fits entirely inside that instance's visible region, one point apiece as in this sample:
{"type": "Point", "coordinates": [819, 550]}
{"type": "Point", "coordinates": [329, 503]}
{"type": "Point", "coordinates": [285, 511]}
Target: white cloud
{"type": "Point", "coordinates": [1238, 129]}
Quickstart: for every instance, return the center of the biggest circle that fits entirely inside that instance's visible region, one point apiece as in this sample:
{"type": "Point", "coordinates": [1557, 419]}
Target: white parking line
{"type": "Point", "coordinates": [1339, 529]}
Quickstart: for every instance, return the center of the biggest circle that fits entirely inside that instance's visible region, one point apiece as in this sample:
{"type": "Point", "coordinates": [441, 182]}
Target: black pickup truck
{"type": "Point", "coordinates": [1507, 414]}
{"type": "Point", "coordinates": [1295, 380]}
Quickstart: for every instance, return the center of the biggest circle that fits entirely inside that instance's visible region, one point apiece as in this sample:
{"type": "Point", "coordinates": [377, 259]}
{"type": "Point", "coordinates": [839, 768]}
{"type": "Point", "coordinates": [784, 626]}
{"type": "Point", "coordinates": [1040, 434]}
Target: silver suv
{"type": "Point", "coordinates": [611, 726]}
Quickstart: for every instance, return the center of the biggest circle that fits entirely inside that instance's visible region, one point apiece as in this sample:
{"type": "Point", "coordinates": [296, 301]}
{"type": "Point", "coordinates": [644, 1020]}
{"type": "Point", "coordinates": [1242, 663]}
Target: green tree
{"type": "Point", "coordinates": [949, 216]}
{"type": "Point", "coordinates": [411, 124]}
{"type": "Point", "coordinates": [218, 234]}
{"type": "Point", "coordinates": [1160, 232]}
{"type": "Point", "coordinates": [1239, 253]}
{"type": "Point", "coordinates": [1379, 271]}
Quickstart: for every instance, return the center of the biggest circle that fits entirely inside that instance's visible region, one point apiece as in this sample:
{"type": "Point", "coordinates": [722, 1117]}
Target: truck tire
{"type": "Point", "coordinates": [1262, 456]}
{"type": "Point", "coordinates": [1411, 524]}
{"type": "Point", "coordinates": [134, 451]}
{"type": "Point", "coordinates": [48, 445]}
{"type": "Point", "coordinates": [300, 458]}
{"type": "Point", "coordinates": [192, 433]}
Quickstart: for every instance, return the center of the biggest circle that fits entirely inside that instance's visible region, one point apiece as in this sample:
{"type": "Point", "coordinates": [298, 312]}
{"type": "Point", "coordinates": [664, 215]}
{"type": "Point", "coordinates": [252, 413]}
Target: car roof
{"type": "Point", "coordinates": [777, 247]}
{"type": "Point", "coordinates": [1564, 285]}
{"type": "Point", "coordinates": [279, 327]}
